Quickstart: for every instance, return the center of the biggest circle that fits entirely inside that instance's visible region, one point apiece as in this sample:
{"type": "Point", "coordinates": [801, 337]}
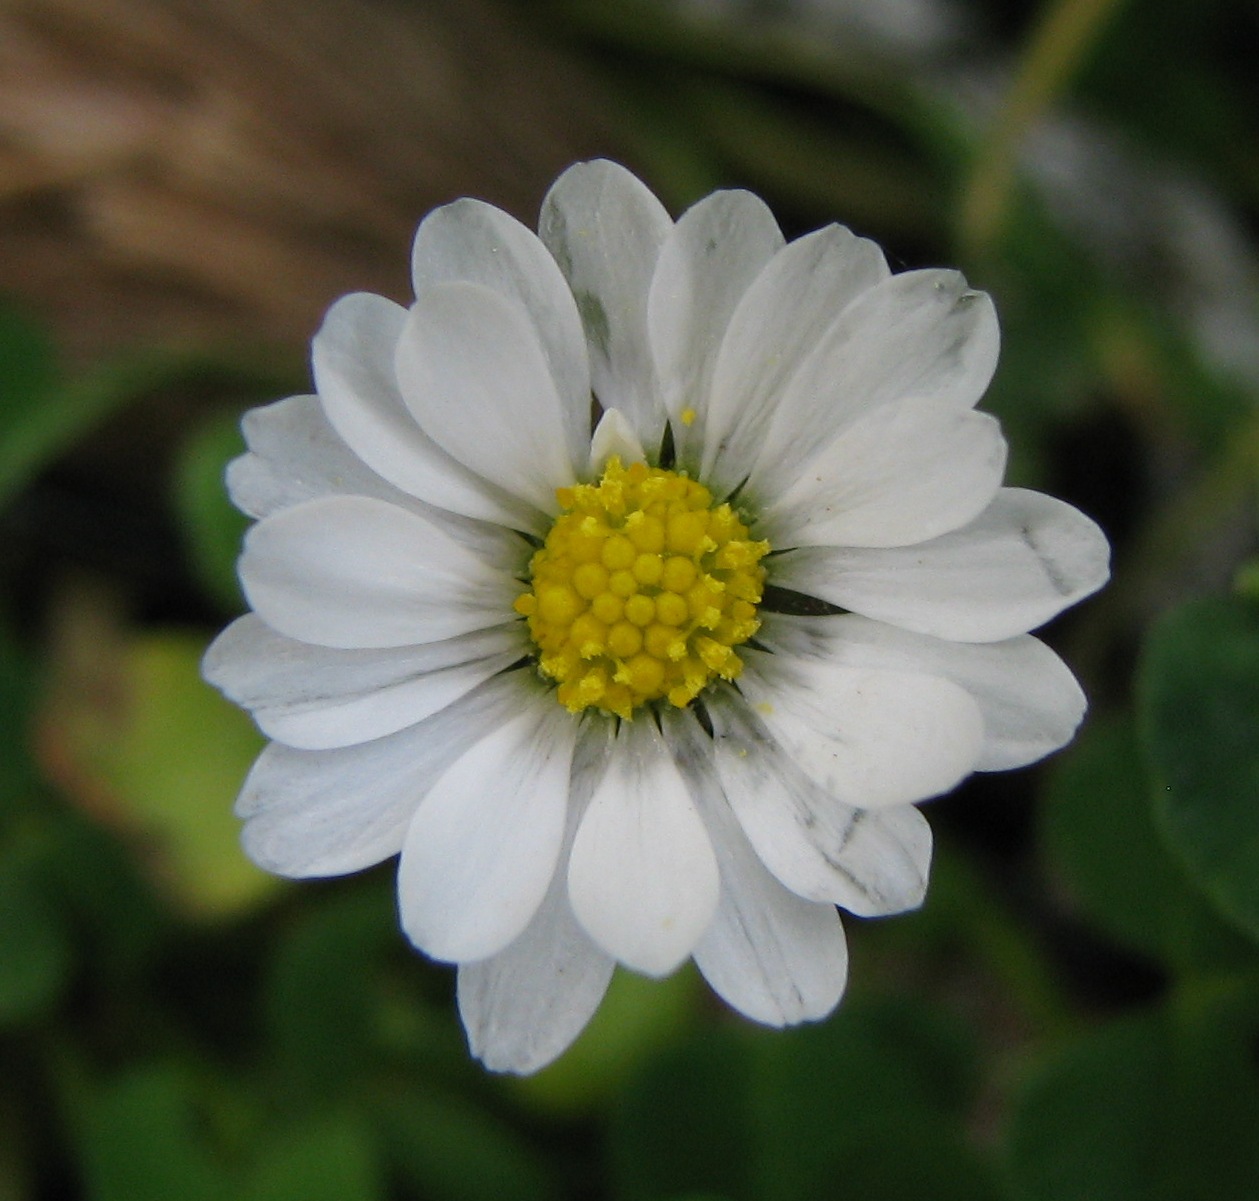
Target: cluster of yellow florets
{"type": "Point", "coordinates": [641, 590]}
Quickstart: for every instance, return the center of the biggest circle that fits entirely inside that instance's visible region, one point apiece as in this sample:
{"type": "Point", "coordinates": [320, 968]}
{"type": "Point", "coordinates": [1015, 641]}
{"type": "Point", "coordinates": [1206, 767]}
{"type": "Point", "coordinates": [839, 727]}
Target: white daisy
{"type": "Point", "coordinates": [581, 681]}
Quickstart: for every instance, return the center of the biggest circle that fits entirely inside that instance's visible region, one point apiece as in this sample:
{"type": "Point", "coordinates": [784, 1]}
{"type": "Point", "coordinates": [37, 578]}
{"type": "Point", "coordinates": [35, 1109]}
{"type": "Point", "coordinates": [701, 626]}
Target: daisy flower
{"type": "Point", "coordinates": [632, 586]}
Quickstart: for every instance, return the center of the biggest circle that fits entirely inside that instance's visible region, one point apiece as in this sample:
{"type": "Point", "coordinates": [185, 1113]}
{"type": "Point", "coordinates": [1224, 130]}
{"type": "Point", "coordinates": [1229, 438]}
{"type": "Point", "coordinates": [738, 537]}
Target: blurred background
{"type": "Point", "coordinates": [186, 185]}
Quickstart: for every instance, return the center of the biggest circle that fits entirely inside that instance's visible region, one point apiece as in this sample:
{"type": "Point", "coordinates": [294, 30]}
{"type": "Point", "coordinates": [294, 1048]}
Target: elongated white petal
{"type": "Point", "coordinates": [1029, 699]}
{"type": "Point", "coordinates": [295, 456]}
{"type": "Point", "coordinates": [482, 847]}
{"type": "Point", "coordinates": [642, 876]}
{"type": "Point", "coordinates": [781, 318]}
{"type": "Point", "coordinates": [769, 953]}
{"type": "Point", "coordinates": [900, 474]}
{"type": "Point", "coordinates": [524, 1006]}
{"type": "Point", "coordinates": [871, 861]}
{"type": "Point", "coordinates": [316, 697]}
{"type": "Point", "coordinates": [869, 738]}
{"type": "Point", "coordinates": [920, 333]}
{"type": "Point", "coordinates": [708, 261]}
{"type": "Point", "coordinates": [325, 813]}
{"type": "Point", "coordinates": [352, 572]}
{"type": "Point", "coordinates": [605, 229]}
{"type": "Point", "coordinates": [473, 374]}
{"type": "Point", "coordinates": [614, 436]}
{"type": "Point", "coordinates": [473, 241]}
{"type": "Point", "coordinates": [353, 356]}
{"type": "Point", "coordinates": [1021, 562]}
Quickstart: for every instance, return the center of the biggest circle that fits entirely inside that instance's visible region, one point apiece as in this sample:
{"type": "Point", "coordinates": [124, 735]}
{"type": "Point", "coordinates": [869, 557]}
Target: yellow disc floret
{"type": "Point", "coordinates": [641, 591]}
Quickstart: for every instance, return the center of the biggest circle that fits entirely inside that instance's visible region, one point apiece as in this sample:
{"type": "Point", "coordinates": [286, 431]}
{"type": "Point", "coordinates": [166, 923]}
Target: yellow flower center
{"type": "Point", "coordinates": [641, 591]}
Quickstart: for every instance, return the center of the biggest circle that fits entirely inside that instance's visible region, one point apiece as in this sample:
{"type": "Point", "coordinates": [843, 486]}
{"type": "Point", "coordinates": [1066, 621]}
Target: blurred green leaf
{"type": "Point", "coordinates": [35, 948]}
{"type": "Point", "coordinates": [18, 777]}
{"type": "Point", "coordinates": [1163, 1106]}
{"type": "Point", "coordinates": [144, 1141]}
{"type": "Point", "coordinates": [212, 527]}
{"type": "Point", "coordinates": [40, 414]}
{"type": "Point", "coordinates": [967, 935]}
{"type": "Point", "coordinates": [16, 1176]}
{"type": "Point", "coordinates": [158, 1133]}
{"type": "Point", "coordinates": [1100, 837]}
{"type": "Point", "coordinates": [685, 1123]}
{"type": "Point", "coordinates": [35, 952]}
{"type": "Point", "coordinates": [1198, 694]}
{"type": "Point", "coordinates": [178, 765]}
{"type": "Point", "coordinates": [97, 887]}
{"type": "Point", "coordinates": [27, 360]}
{"type": "Point", "coordinates": [875, 1098]}
{"type": "Point", "coordinates": [27, 376]}
{"type": "Point", "coordinates": [324, 978]}
{"type": "Point", "coordinates": [1197, 113]}
{"type": "Point", "coordinates": [331, 1158]}
{"type": "Point", "coordinates": [163, 755]}
{"type": "Point", "coordinates": [447, 1149]}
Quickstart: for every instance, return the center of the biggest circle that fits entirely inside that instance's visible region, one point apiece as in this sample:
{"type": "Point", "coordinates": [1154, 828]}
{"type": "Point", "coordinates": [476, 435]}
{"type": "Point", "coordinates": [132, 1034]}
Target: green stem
{"type": "Point", "coordinates": [1057, 48]}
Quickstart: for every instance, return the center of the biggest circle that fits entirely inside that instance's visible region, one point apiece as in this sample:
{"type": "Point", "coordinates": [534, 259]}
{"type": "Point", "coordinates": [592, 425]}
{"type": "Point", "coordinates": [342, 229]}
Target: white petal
{"type": "Point", "coordinates": [525, 1005]}
{"type": "Point", "coordinates": [473, 374]}
{"type": "Point", "coordinates": [642, 876]}
{"type": "Point", "coordinates": [871, 861]}
{"type": "Point", "coordinates": [316, 697]}
{"type": "Point", "coordinates": [482, 847]}
{"type": "Point", "coordinates": [296, 456]}
{"type": "Point", "coordinates": [605, 229]}
{"type": "Point", "coordinates": [1029, 699]}
{"type": "Point", "coordinates": [1021, 562]}
{"type": "Point", "coordinates": [614, 436]}
{"type": "Point", "coordinates": [774, 956]}
{"type": "Point", "coordinates": [869, 738]}
{"type": "Point", "coordinates": [325, 813]}
{"type": "Point", "coordinates": [712, 255]}
{"type": "Point", "coordinates": [920, 333]}
{"type": "Point", "coordinates": [905, 472]}
{"type": "Point", "coordinates": [781, 318]}
{"type": "Point", "coordinates": [353, 356]}
{"type": "Point", "coordinates": [352, 572]}
{"type": "Point", "coordinates": [474, 241]}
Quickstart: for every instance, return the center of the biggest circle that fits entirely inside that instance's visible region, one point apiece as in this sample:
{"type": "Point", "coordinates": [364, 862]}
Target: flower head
{"type": "Point", "coordinates": [667, 681]}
